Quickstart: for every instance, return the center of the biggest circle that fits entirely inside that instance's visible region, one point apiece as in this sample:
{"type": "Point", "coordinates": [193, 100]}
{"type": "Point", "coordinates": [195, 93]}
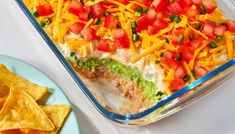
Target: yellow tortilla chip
{"type": "Point", "coordinates": [35, 91]}
{"type": "Point", "coordinates": [16, 131]}
{"type": "Point", "coordinates": [8, 78]}
{"type": "Point", "coordinates": [4, 91]}
{"type": "Point", "coordinates": [57, 114]}
{"type": "Point", "coordinates": [21, 111]}
{"type": "Point", "coordinates": [2, 101]}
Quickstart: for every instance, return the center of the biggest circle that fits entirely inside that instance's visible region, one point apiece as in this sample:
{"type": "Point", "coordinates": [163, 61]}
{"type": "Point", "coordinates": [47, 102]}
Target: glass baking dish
{"type": "Point", "coordinates": [106, 99]}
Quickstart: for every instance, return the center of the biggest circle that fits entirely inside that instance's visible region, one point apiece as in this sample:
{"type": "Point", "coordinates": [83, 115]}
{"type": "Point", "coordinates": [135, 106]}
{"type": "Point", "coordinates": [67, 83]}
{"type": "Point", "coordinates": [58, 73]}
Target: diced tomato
{"type": "Point", "coordinates": [185, 3]}
{"type": "Point", "coordinates": [160, 23]}
{"type": "Point", "coordinates": [176, 84]}
{"type": "Point", "coordinates": [208, 28]}
{"type": "Point", "coordinates": [151, 15]}
{"type": "Point", "coordinates": [142, 23]}
{"type": "Point", "coordinates": [121, 38]}
{"type": "Point", "coordinates": [157, 25]}
{"type": "Point", "coordinates": [219, 30]}
{"type": "Point", "coordinates": [75, 7]}
{"type": "Point", "coordinates": [110, 22]}
{"type": "Point", "coordinates": [210, 5]}
{"type": "Point", "coordinates": [196, 42]}
{"type": "Point", "coordinates": [180, 72]}
{"type": "Point", "coordinates": [168, 55]}
{"type": "Point", "coordinates": [108, 4]}
{"type": "Point", "coordinates": [152, 30]}
{"type": "Point", "coordinates": [44, 10]}
{"type": "Point", "coordinates": [88, 34]}
{"type": "Point", "coordinates": [97, 10]}
{"type": "Point", "coordinates": [160, 5]}
{"type": "Point", "coordinates": [197, 2]}
{"type": "Point", "coordinates": [187, 53]}
{"type": "Point", "coordinates": [231, 25]}
{"type": "Point", "coordinates": [172, 63]}
{"type": "Point", "coordinates": [123, 1]}
{"type": "Point", "coordinates": [200, 71]}
{"type": "Point", "coordinates": [84, 13]}
{"type": "Point", "coordinates": [190, 12]}
{"type": "Point", "coordinates": [176, 33]}
{"type": "Point", "coordinates": [168, 58]}
{"type": "Point", "coordinates": [76, 27]}
{"type": "Point", "coordinates": [106, 45]}
{"type": "Point", "coordinates": [146, 2]}
{"type": "Point", "coordinates": [175, 8]}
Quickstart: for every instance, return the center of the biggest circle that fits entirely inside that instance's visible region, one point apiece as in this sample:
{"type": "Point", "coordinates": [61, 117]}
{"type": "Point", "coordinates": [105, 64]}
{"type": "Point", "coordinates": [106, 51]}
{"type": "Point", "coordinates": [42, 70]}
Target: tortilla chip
{"type": "Point", "coordinates": [57, 114]}
{"type": "Point", "coordinates": [16, 131]}
{"type": "Point", "coordinates": [35, 91]}
{"type": "Point", "coordinates": [2, 101]}
{"type": "Point", "coordinates": [4, 91]}
{"type": "Point", "coordinates": [7, 77]}
{"type": "Point", "coordinates": [21, 111]}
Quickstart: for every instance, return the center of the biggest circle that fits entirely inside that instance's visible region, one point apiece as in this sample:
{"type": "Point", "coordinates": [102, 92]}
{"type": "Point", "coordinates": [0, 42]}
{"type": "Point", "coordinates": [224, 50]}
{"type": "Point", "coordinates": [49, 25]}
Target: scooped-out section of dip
{"type": "Point", "coordinates": [150, 89]}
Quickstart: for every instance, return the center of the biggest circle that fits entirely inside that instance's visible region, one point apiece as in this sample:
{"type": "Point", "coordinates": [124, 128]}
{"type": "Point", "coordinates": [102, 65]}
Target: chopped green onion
{"type": "Point", "coordinates": [178, 57]}
{"type": "Point", "coordinates": [42, 24]}
{"type": "Point", "coordinates": [175, 18]}
{"type": "Point", "coordinates": [159, 93]}
{"type": "Point", "coordinates": [145, 9]}
{"type": "Point", "coordinates": [223, 23]}
{"type": "Point", "coordinates": [214, 23]}
{"type": "Point", "coordinates": [133, 24]}
{"type": "Point", "coordinates": [135, 37]}
{"type": "Point", "coordinates": [198, 26]}
{"type": "Point", "coordinates": [191, 37]}
{"type": "Point", "coordinates": [170, 1]}
{"type": "Point", "coordinates": [48, 21]}
{"type": "Point", "coordinates": [219, 38]}
{"type": "Point", "coordinates": [89, 15]}
{"type": "Point", "coordinates": [202, 9]}
{"type": "Point", "coordinates": [193, 72]}
{"type": "Point", "coordinates": [71, 54]}
{"type": "Point", "coordinates": [167, 40]}
{"type": "Point", "coordinates": [115, 15]}
{"type": "Point", "coordinates": [35, 14]}
{"type": "Point", "coordinates": [118, 26]}
{"type": "Point", "coordinates": [161, 54]}
{"type": "Point", "coordinates": [138, 12]}
{"type": "Point", "coordinates": [157, 62]}
{"type": "Point", "coordinates": [181, 38]}
{"type": "Point", "coordinates": [97, 21]}
{"type": "Point", "coordinates": [213, 44]}
{"type": "Point", "coordinates": [186, 78]}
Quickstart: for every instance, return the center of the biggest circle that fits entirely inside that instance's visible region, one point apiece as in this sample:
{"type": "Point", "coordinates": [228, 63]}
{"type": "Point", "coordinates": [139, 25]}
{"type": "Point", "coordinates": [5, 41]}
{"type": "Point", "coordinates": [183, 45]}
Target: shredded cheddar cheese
{"type": "Point", "coordinates": [229, 45]}
{"type": "Point", "coordinates": [192, 61]}
{"type": "Point", "coordinates": [154, 37]}
{"type": "Point", "coordinates": [198, 32]}
{"type": "Point", "coordinates": [156, 46]}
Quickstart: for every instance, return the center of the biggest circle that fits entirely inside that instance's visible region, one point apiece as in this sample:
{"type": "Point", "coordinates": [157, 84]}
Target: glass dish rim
{"type": "Point", "coordinates": [108, 114]}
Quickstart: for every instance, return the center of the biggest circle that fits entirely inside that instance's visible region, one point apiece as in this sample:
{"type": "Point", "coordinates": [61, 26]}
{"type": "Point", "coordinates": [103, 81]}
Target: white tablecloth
{"type": "Point", "coordinates": [215, 114]}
